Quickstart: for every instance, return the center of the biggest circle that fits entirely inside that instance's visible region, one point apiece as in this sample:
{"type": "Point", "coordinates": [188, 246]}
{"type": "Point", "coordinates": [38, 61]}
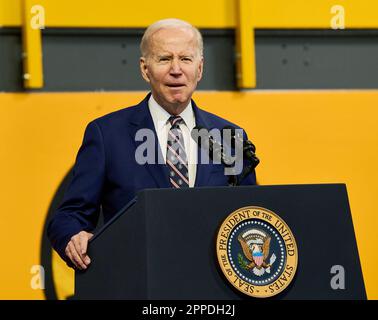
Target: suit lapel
{"type": "Point", "coordinates": [142, 120]}
{"type": "Point", "coordinates": [203, 170]}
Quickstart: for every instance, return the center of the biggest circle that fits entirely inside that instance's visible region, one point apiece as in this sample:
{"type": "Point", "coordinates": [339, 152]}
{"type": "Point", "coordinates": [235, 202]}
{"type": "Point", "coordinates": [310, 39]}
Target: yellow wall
{"type": "Point", "coordinates": [301, 137]}
{"type": "Point", "coordinates": [201, 13]}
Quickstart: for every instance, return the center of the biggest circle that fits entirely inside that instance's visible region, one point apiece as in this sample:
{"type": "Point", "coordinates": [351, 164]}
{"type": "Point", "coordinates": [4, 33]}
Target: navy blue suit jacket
{"type": "Point", "coordinates": [107, 175]}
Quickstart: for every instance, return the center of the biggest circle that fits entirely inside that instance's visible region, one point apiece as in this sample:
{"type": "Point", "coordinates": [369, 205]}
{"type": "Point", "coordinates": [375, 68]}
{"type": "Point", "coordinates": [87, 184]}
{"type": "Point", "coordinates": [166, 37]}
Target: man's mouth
{"type": "Point", "coordinates": [175, 85]}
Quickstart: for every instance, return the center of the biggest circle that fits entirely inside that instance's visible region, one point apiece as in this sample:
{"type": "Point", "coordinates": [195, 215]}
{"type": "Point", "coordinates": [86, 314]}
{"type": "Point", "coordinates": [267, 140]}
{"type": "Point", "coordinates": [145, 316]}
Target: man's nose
{"type": "Point", "coordinates": [175, 67]}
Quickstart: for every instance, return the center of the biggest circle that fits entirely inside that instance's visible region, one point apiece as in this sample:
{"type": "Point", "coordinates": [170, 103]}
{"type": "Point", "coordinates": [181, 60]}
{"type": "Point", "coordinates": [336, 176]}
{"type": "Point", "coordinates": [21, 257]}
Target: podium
{"type": "Point", "coordinates": [162, 245]}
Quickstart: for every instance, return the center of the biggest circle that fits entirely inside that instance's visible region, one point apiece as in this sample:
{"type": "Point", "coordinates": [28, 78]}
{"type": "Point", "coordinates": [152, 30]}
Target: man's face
{"type": "Point", "coordinates": [173, 67]}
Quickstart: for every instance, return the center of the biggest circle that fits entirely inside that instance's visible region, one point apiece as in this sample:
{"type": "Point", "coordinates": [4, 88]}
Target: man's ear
{"type": "Point", "coordinates": [200, 69]}
{"type": "Point", "coordinates": [144, 69]}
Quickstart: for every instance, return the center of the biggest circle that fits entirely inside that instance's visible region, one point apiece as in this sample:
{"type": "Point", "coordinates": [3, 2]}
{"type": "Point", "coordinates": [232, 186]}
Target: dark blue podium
{"type": "Point", "coordinates": [162, 245]}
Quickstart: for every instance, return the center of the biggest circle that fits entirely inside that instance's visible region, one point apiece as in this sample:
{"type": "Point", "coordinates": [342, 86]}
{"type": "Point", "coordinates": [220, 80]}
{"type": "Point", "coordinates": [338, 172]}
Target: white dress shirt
{"type": "Point", "coordinates": [160, 118]}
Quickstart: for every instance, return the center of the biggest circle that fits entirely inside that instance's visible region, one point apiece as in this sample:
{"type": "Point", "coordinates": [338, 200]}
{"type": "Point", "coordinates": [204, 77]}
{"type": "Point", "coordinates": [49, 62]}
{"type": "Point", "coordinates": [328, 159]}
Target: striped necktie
{"type": "Point", "coordinates": [177, 159]}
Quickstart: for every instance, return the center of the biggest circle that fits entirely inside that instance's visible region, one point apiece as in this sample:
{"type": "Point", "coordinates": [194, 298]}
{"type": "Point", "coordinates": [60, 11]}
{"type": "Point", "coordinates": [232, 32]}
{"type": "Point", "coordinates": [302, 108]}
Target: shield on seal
{"type": "Point", "coordinates": [258, 258]}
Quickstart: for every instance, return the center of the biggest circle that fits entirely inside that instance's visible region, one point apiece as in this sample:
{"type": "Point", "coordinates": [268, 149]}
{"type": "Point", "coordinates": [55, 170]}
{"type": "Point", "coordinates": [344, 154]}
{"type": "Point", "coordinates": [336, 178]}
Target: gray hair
{"type": "Point", "coordinates": [164, 24]}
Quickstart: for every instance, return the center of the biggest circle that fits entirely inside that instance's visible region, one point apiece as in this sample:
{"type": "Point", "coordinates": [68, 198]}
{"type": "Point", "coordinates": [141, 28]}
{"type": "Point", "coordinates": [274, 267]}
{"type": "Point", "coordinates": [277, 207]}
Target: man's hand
{"type": "Point", "coordinates": [76, 250]}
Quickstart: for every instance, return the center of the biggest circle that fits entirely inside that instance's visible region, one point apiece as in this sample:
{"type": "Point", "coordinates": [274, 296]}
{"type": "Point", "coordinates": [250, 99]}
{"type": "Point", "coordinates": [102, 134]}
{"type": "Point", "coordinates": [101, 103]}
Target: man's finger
{"type": "Point", "coordinates": [83, 243]}
{"type": "Point", "coordinates": [84, 246]}
{"type": "Point", "coordinates": [76, 240]}
{"type": "Point", "coordinates": [69, 255]}
{"type": "Point", "coordinates": [70, 249]}
{"type": "Point", "coordinates": [76, 256]}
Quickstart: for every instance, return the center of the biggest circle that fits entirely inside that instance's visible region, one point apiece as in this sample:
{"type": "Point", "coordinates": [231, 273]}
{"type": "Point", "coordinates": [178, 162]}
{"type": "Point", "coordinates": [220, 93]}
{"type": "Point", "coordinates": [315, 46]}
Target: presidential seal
{"type": "Point", "coordinates": [257, 252]}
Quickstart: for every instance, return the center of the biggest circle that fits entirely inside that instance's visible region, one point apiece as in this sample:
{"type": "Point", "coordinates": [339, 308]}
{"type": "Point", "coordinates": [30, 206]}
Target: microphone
{"type": "Point", "coordinates": [206, 141]}
{"type": "Point", "coordinates": [214, 149]}
{"type": "Point", "coordinates": [248, 151]}
{"type": "Point", "coordinates": [248, 147]}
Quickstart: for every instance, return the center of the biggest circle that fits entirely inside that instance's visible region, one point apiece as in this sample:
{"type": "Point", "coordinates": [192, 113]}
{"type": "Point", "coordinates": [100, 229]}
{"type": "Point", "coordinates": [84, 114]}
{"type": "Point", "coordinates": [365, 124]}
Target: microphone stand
{"type": "Point", "coordinates": [249, 152]}
{"type": "Point", "coordinates": [233, 180]}
{"type": "Point", "coordinates": [253, 162]}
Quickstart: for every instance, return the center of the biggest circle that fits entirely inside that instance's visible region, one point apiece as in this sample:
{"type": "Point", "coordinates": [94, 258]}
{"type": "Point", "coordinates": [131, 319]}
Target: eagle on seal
{"type": "Point", "coordinates": [255, 245]}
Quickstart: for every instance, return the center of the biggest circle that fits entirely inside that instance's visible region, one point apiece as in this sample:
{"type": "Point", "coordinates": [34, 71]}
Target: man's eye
{"type": "Point", "coordinates": [163, 59]}
{"type": "Point", "coordinates": [187, 59]}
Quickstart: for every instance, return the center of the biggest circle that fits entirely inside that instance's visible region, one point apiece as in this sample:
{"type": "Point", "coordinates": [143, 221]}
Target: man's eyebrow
{"type": "Point", "coordinates": [167, 55]}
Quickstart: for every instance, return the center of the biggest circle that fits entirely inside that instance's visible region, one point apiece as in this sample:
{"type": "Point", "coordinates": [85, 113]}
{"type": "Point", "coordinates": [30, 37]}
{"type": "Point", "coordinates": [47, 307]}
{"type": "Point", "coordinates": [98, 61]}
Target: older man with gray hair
{"type": "Point", "coordinates": [107, 173]}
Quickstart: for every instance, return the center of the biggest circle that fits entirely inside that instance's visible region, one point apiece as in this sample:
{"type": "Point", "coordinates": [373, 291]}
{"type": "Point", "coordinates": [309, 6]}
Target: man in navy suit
{"type": "Point", "coordinates": [109, 168]}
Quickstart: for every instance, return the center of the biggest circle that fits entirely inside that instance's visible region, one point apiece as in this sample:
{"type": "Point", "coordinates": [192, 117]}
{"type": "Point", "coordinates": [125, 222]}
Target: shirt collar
{"type": "Point", "coordinates": [160, 116]}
